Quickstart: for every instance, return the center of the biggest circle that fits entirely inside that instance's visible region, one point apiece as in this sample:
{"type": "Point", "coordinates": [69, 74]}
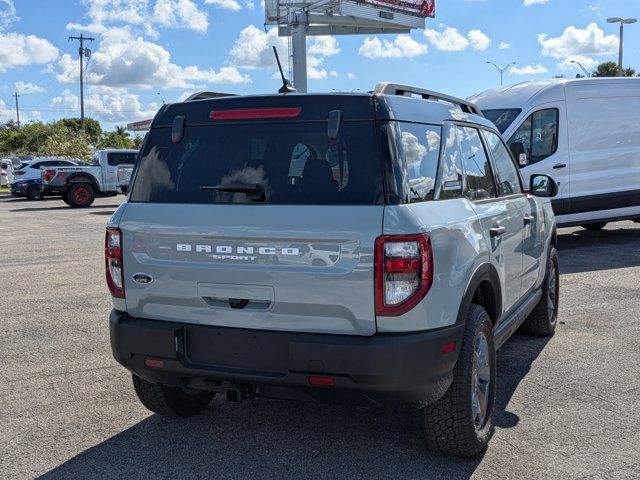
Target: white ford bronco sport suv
{"type": "Point", "coordinates": [372, 247]}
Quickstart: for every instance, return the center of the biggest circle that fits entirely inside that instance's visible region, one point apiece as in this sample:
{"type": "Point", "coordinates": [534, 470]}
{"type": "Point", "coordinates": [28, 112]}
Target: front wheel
{"type": "Point", "coordinates": [34, 193]}
{"type": "Point", "coordinates": [544, 317]}
{"type": "Point", "coordinates": [80, 195]}
{"type": "Point", "coordinates": [461, 422]}
{"type": "Point", "coordinates": [168, 401]}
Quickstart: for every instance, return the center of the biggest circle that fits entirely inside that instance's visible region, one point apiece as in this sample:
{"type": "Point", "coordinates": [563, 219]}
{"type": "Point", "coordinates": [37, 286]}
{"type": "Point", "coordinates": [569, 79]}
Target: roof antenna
{"type": "Point", "coordinates": [286, 85]}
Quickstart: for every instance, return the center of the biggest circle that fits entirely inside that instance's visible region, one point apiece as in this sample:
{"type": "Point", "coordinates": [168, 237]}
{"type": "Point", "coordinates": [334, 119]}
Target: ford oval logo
{"type": "Point", "coordinates": [142, 278]}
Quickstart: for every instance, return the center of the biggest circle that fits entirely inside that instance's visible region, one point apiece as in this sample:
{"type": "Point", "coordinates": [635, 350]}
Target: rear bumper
{"type": "Point", "coordinates": [386, 368]}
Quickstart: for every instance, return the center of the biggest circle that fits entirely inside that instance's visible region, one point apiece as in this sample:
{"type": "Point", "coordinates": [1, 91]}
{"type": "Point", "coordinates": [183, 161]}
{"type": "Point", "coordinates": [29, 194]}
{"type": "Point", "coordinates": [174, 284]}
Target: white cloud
{"type": "Point", "coordinates": [324, 46]}
{"type": "Point", "coordinates": [232, 5]}
{"type": "Point", "coordinates": [7, 13]}
{"type": "Point", "coordinates": [351, 76]}
{"type": "Point", "coordinates": [165, 13]}
{"type": "Point", "coordinates": [26, 88]}
{"type": "Point", "coordinates": [333, 73]}
{"type": "Point", "coordinates": [17, 50]}
{"type": "Point", "coordinates": [124, 60]}
{"type": "Point", "coordinates": [313, 69]}
{"type": "Point", "coordinates": [403, 46]}
{"type": "Point", "coordinates": [576, 41]}
{"type": "Point", "coordinates": [504, 45]}
{"type": "Point", "coordinates": [449, 40]}
{"type": "Point", "coordinates": [478, 40]}
{"type": "Point", "coordinates": [253, 49]}
{"type": "Point", "coordinates": [180, 14]}
{"type": "Point", "coordinates": [587, 62]}
{"type": "Point", "coordinates": [528, 3]}
{"type": "Point", "coordinates": [528, 70]}
{"type": "Point", "coordinates": [108, 104]}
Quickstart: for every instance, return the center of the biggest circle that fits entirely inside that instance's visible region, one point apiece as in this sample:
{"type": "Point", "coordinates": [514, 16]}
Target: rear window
{"type": "Point", "coordinates": [121, 158]}
{"type": "Point", "coordinates": [289, 163]}
{"type": "Point", "coordinates": [502, 118]}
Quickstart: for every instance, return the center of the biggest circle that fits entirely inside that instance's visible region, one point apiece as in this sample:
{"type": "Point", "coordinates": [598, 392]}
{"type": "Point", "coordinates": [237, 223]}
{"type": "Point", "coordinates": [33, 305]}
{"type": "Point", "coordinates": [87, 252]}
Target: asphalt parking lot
{"type": "Point", "coordinates": [568, 407]}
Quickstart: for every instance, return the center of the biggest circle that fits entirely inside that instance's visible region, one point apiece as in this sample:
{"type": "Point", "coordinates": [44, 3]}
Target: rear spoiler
{"type": "Point", "coordinates": [386, 88]}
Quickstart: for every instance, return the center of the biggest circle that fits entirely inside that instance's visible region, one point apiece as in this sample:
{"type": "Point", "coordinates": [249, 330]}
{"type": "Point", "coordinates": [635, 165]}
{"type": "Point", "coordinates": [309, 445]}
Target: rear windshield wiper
{"type": "Point", "coordinates": [254, 191]}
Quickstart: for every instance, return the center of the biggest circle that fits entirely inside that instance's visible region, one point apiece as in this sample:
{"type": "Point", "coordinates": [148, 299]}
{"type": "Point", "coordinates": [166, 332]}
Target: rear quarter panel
{"type": "Point", "coordinates": [459, 248]}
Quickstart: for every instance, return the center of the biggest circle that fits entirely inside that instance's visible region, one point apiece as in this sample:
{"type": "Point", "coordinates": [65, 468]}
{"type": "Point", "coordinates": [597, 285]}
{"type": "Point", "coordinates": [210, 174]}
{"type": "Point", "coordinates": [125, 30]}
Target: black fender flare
{"type": "Point", "coordinates": [81, 177]}
{"type": "Point", "coordinates": [485, 272]}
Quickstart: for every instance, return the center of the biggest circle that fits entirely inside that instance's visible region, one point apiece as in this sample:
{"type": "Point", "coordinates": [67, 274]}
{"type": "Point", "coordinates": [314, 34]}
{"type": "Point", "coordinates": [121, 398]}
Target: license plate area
{"type": "Point", "coordinates": [253, 352]}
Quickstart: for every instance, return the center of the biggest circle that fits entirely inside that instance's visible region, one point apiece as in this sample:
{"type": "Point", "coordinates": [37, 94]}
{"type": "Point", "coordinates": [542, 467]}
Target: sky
{"type": "Point", "coordinates": [177, 47]}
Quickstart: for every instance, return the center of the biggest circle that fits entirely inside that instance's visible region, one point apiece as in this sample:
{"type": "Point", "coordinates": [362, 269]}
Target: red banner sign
{"type": "Point", "coordinates": [419, 8]}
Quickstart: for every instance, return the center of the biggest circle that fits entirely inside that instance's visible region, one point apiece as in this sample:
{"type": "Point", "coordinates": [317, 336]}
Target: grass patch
{"type": "Point", "coordinates": [4, 189]}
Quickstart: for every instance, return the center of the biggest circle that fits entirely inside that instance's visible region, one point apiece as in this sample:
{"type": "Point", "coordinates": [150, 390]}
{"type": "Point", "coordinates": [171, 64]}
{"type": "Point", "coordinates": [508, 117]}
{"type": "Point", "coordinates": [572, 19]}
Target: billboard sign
{"type": "Point", "coordinates": [419, 8]}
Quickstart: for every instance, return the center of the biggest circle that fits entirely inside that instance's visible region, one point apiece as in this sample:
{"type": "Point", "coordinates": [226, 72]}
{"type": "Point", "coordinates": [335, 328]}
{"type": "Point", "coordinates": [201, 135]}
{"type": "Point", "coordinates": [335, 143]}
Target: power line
{"type": "Point", "coordinates": [82, 53]}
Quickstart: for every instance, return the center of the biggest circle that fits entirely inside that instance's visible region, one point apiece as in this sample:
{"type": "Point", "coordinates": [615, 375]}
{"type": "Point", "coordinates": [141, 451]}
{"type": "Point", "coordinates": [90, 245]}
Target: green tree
{"type": "Point", "coordinates": [610, 69]}
{"type": "Point", "coordinates": [65, 142]}
{"type": "Point", "coordinates": [92, 127]}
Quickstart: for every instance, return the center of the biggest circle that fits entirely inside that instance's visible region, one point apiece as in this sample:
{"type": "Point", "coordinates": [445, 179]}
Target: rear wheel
{"type": "Point", "coordinates": [168, 401]}
{"type": "Point", "coordinates": [592, 227]}
{"type": "Point", "coordinates": [80, 195]}
{"type": "Point", "coordinates": [34, 193]}
{"type": "Point", "coordinates": [543, 319]}
{"type": "Point", "coordinates": [461, 422]}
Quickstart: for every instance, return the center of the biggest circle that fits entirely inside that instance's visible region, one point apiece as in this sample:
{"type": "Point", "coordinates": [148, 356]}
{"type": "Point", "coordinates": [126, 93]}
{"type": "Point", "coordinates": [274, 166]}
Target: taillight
{"type": "Point", "coordinates": [113, 259]}
{"type": "Point", "coordinates": [403, 271]}
{"type": "Point", "coordinates": [48, 175]}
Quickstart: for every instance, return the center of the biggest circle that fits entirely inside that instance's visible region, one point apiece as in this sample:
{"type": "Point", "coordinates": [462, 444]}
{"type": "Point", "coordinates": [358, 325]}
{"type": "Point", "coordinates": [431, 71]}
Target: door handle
{"type": "Point", "coordinates": [528, 219]}
{"type": "Point", "coordinates": [497, 231]}
{"type": "Point", "coordinates": [559, 165]}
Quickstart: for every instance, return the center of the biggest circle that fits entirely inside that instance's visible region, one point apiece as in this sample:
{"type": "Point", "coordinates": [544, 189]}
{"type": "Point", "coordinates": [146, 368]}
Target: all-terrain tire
{"type": "Point", "coordinates": [65, 198]}
{"type": "Point", "coordinates": [80, 195]}
{"type": "Point", "coordinates": [168, 401]}
{"type": "Point", "coordinates": [594, 227]}
{"type": "Point", "coordinates": [450, 424]}
{"type": "Point", "coordinates": [34, 193]}
{"type": "Point", "coordinates": [543, 319]}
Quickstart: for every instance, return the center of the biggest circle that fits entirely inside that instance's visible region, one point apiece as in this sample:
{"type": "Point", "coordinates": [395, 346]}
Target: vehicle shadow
{"type": "Point", "coordinates": [611, 248]}
{"type": "Point", "coordinates": [292, 440]}
{"type": "Point", "coordinates": [63, 207]}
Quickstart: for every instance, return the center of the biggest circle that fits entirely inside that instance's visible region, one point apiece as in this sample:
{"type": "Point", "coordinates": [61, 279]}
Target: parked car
{"type": "Point", "coordinates": [27, 178]}
{"type": "Point", "coordinates": [6, 172]}
{"type": "Point", "coordinates": [79, 186]}
{"type": "Point", "coordinates": [585, 133]}
{"type": "Point", "coordinates": [374, 246]}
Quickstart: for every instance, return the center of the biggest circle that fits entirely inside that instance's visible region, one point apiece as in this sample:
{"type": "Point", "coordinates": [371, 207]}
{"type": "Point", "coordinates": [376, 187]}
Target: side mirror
{"type": "Point", "coordinates": [523, 160]}
{"type": "Point", "coordinates": [543, 186]}
{"type": "Point", "coordinates": [517, 149]}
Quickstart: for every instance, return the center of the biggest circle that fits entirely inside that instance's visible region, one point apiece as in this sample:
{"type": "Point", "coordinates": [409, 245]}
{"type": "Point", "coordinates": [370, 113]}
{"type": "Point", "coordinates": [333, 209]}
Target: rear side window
{"type": "Point", "coordinates": [478, 174]}
{"type": "Point", "coordinates": [290, 163]}
{"type": "Point", "coordinates": [450, 178]}
{"type": "Point", "coordinates": [538, 135]}
{"type": "Point", "coordinates": [420, 151]}
{"type": "Point", "coordinates": [506, 173]}
{"type": "Point", "coordinates": [121, 158]}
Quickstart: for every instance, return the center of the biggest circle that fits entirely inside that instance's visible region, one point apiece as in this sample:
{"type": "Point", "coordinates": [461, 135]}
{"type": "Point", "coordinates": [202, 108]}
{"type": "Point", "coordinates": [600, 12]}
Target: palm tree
{"type": "Point", "coordinates": [610, 69]}
{"type": "Point", "coordinates": [122, 131]}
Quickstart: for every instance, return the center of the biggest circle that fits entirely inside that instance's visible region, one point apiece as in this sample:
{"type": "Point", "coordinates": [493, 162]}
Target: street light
{"type": "Point", "coordinates": [586, 73]}
{"type": "Point", "coordinates": [622, 22]}
{"type": "Point", "coordinates": [501, 69]}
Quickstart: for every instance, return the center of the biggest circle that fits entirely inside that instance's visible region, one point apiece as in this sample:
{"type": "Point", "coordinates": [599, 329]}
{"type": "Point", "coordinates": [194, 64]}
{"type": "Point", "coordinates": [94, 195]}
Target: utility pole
{"type": "Point", "coordinates": [17, 109]}
{"type": "Point", "coordinates": [82, 53]}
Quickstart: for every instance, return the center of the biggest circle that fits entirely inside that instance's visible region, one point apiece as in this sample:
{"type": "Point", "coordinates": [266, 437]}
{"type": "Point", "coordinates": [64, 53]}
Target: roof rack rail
{"type": "Point", "coordinates": [408, 91]}
{"type": "Point", "coordinates": [205, 95]}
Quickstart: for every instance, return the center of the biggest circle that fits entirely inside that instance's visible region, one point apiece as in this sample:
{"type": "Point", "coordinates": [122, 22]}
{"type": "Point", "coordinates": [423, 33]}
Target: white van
{"type": "Point", "coordinates": [585, 133]}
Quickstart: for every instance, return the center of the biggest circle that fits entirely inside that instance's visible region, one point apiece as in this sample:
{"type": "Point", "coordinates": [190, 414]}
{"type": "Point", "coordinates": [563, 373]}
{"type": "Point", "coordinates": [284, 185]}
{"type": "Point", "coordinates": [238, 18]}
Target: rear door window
{"type": "Point", "coordinates": [121, 158]}
{"type": "Point", "coordinates": [292, 163]}
{"type": "Point", "coordinates": [478, 174]}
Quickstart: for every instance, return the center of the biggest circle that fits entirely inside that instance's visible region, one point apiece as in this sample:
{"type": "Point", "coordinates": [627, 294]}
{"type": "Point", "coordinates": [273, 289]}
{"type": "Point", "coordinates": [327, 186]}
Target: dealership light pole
{"type": "Point", "coordinates": [622, 22]}
{"type": "Point", "coordinates": [501, 69]}
{"type": "Point", "coordinates": [586, 73]}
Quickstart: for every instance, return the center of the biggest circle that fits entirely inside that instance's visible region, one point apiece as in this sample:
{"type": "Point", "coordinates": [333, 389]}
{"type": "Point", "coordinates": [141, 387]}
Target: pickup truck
{"type": "Point", "coordinates": [80, 185]}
